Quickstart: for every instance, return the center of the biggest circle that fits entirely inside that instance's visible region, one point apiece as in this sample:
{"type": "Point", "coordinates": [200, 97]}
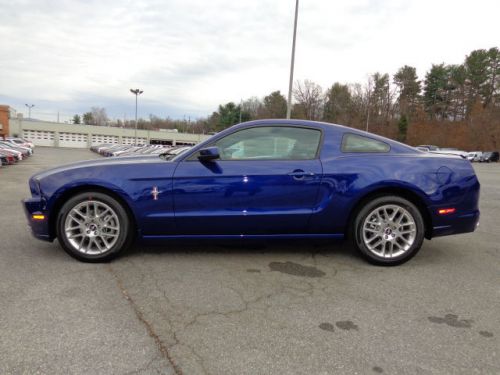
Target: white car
{"type": "Point", "coordinates": [475, 156]}
{"type": "Point", "coordinates": [451, 151]}
{"type": "Point", "coordinates": [21, 142]}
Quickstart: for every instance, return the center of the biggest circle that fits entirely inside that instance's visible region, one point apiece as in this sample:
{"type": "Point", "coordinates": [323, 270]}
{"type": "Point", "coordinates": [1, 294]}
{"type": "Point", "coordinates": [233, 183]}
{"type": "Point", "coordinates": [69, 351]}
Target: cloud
{"type": "Point", "coordinates": [191, 55]}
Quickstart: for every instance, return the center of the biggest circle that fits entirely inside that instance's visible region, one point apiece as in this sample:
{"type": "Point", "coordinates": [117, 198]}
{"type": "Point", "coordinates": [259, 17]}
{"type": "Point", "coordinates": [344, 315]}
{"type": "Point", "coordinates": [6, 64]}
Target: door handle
{"type": "Point", "coordinates": [299, 174]}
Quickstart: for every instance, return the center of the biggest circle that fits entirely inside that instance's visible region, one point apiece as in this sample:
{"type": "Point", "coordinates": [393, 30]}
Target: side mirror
{"type": "Point", "coordinates": [209, 154]}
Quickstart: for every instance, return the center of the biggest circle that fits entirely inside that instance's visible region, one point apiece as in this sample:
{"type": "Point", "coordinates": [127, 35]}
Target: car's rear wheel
{"type": "Point", "coordinates": [93, 227]}
{"type": "Point", "coordinates": [389, 230]}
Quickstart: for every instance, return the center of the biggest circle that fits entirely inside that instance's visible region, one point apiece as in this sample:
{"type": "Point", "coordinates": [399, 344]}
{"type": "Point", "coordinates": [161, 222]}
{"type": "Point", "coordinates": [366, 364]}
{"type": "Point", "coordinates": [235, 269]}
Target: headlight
{"type": "Point", "coordinates": [34, 187]}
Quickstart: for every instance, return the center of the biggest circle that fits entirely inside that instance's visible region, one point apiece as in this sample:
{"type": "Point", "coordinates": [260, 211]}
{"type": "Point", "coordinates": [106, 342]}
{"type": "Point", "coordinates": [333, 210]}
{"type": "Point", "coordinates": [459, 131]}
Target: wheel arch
{"type": "Point", "coordinates": [70, 192]}
{"type": "Point", "coordinates": [402, 192]}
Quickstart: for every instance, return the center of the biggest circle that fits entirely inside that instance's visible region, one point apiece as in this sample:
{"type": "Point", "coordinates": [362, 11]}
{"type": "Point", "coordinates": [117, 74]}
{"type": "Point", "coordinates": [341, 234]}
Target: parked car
{"type": "Point", "coordinates": [451, 151]}
{"type": "Point", "coordinates": [174, 151]}
{"type": "Point", "coordinates": [21, 142]}
{"type": "Point", "coordinates": [131, 150]}
{"type": "Point", "coordinates": [439, 150]}
{"type": "Point", "coordinates": [283, 179]}
{"type": "Point", "coordinates": [115, 150]}
{"type": "Point", "coordinates": [491, 156]}
{"type": "Point", "coordinates": [23, 150]}
{"type": "Point", "coordinates": [3, 160]}
{"type": "Point", "coordinates": [429, 147]}
{"type": "Point", "coordinates": [422, 148]}
{"type": "Point", "coordinates": [9, 150]}
{"type": "Point", "coordinates": [474, 156]}
{"type": "Point", "coordinates": [7, 157]}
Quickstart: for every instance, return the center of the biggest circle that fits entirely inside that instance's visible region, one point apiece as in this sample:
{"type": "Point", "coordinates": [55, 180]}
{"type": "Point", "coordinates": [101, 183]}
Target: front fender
{"type": "Point", "coordinates": [64, 192]}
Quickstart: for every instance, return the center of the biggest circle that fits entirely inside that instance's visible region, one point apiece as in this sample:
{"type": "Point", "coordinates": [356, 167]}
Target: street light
{"type": "Point", "coordinates": [289, 103]}
{"type": "Point", "coordinates": [136, 92]}
{"type": "Point", "coordinates": [29, 109]}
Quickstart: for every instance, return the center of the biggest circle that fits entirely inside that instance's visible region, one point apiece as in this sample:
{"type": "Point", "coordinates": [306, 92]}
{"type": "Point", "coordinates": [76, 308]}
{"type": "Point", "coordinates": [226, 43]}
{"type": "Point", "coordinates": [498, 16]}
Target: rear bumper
{"type": "Point", "coordinates": [462, 223]}
{"type": "Point", "coordinates": [39, 228]}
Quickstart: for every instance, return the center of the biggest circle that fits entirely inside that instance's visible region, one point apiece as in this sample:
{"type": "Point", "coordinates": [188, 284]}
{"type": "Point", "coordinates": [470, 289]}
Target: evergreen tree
{"type": "Point", "coordinates": [406, 80]}
{"type": "Point", "coordinates": [88, 119]}
{"type": "Point", "coordinates": [338, 104]}
{"type": "Point", "coordinates": [274, 105]}
{"type": "Point", "coordinates": [229, 114]}
{"type": "Point", "coordinates": [492, 87]}
{"type": "Point", "coordinates": [403, 127]}
{"type": "Point", "coordinates": [435, 95]}
{"type": "Point", "coordinates": [380, 97]}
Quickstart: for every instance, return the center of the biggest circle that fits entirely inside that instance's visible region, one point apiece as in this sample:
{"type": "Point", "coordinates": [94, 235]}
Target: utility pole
{"type": "Point", "coordinates": [136, 92]}
{"type": "Point", "coordinates": [29, 109]}
{"type": "Point", "coordinates": [290, 84]}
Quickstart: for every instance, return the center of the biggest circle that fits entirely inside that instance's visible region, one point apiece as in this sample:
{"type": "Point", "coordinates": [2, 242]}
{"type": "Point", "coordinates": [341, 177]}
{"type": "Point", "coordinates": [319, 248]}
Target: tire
{"type": "Point", "coordinates": [89, 237]}
{"type": "Point", "coordinates": [388, 230]}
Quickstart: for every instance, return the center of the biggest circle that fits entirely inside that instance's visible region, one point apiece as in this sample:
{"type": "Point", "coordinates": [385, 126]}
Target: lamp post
{"type": "Point", "coordinates": [289, 103]}
{"type": "Point", "coordinates": [29, 109]}
{"type": "Point", "coordinates": [136, 92]}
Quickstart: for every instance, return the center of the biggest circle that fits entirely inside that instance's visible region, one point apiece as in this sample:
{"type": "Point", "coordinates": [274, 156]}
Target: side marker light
{"type": "Point", "coordinates": [446, 211]}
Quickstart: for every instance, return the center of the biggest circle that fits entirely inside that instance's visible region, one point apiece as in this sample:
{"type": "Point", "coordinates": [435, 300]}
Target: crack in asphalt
{"type": "Point", "coordinates": [144, 368]}
{"type": "Point", "coordinates": [140, 316]}
{"type": "Point", "coordinates": [304, 289]}
{"type": "Point", "coordinates": [171, 326]}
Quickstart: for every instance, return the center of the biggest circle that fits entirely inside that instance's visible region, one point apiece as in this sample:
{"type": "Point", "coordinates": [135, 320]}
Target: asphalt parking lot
{"type": "Point", "coordinates": [277, 308]}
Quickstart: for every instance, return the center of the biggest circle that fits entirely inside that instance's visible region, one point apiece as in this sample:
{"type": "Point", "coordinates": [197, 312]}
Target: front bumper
{"type": "Point", "coordinates": [39, 228]}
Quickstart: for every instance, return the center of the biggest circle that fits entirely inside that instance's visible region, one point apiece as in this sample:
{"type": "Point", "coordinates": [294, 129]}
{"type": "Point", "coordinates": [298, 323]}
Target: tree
{"type": "Point", "coordinates": [482, 77]}
{"type": "Point", "coordinates": [229, 114]}
{"type": "Point", "coordinates": [274, 105]}
{"type": "Point", "coordinates": [456, 95]}
{"type": "Point", "coordinates": [251, 108]}
{"type": "Point", "coordinates": [491, 89]}
{"type": "Point", "coordinates": [88, 119]}
{"type": "Point", "coordinates": [309, 97]}
{"type": "Point", "coordinates": [99, 115]}
{"type": "Point", "coordinates": [435, 91]}
{"type": "Point", "coordinates": [338, 104]}
{"type": "Point", "coordinates": [406, 80]}
{"type": "Point", "coordinates": [76, 119]}
{"type": "Point", "coordinates": [213, 121]}
{"type": "Point", "coordinates": [381, 97]}
{"type": "Point", "coordinates": [402, 127]}
{"type": "Point", "coordinates": [476, 65]}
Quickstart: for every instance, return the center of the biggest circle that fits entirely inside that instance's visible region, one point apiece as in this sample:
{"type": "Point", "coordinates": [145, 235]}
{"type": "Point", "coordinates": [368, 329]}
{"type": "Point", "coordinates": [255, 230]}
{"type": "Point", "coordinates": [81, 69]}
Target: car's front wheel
{"type": "Point", "coordinates": [93, 227]}
{"type": "Point", "coordinates": [389, 230]}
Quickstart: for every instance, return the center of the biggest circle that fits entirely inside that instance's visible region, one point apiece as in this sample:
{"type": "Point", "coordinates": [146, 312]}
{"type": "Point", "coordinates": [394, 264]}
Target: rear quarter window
{"type": "Point", "coordinates": [358, 143]}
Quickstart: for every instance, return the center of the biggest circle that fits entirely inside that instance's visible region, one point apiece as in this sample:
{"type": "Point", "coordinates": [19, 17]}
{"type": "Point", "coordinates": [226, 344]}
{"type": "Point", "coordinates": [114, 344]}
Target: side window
{"type": "Point", "coordinates": [270, 143]}
{"type": "Point", "coordinates": [358, 143]}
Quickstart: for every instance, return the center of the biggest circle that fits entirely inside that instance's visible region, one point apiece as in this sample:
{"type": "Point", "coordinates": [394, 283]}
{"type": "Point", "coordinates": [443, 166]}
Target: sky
{"type": "Point", "coordinates": [189, 56]}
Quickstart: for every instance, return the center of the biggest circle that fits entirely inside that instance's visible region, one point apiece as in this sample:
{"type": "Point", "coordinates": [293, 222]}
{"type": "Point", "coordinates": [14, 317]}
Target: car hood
{"type": "Point", "coordinates": [116, 174]}
{"type": "Point", "coordinates": [99, 164]}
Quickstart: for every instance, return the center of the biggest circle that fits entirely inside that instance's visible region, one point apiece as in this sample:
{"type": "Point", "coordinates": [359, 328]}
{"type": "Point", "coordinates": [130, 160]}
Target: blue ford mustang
{"type": "Point", "coordinates": [261, 179]}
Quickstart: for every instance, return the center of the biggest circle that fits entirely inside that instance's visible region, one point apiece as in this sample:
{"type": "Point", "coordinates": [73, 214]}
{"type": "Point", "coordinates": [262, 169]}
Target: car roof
{"type": "Point", "coordinates": [320, 125]}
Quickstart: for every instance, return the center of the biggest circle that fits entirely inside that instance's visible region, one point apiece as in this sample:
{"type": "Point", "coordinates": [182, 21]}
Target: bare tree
{"type": "Point", "coordinates": [309, 98]}
{"type": "Point", "coordinates": [99, 116]}
{"type": "Point", "coordinates": [252, 107]}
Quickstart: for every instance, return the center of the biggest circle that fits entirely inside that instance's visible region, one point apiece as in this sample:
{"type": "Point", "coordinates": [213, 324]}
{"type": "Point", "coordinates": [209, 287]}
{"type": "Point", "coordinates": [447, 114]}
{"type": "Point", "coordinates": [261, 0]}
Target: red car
{"type": "Point", "coordinates": [11, 157]}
